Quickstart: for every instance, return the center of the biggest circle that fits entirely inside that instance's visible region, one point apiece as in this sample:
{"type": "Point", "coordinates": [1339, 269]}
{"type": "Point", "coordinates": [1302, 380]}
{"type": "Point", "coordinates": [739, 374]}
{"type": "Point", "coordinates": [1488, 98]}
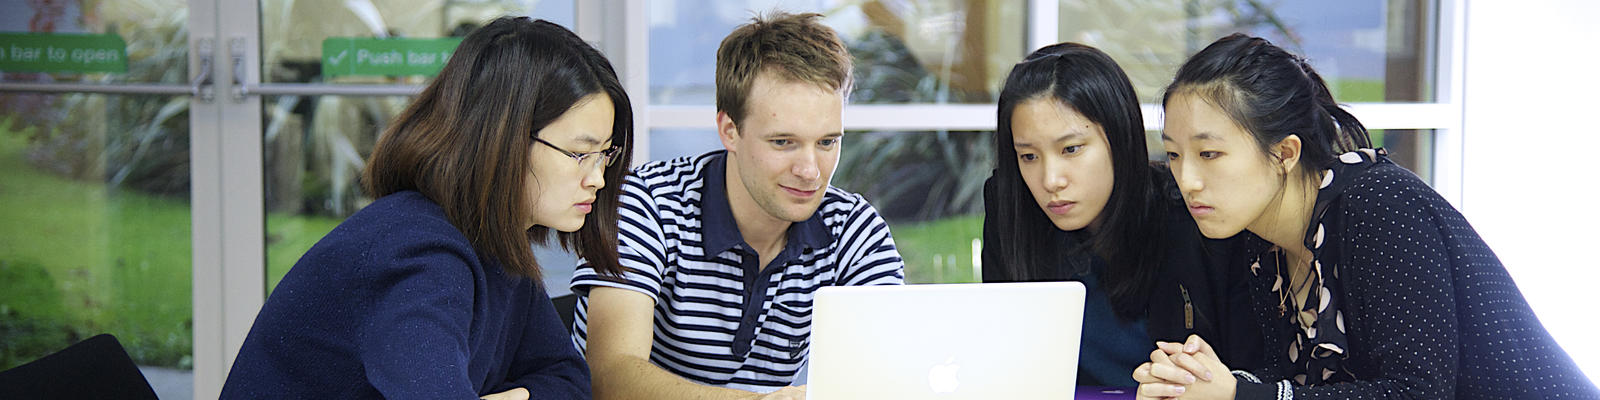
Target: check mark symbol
{"type": "Point", "coordinates": [336, 59]}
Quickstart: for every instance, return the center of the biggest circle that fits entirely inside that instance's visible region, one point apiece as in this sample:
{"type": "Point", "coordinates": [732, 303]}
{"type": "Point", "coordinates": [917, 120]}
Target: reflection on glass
{"type": "Point", "coordinates": [919, 51]}
{"type": "Point", "coordinates": [94, 192]}
{"type": "Point", "coordinates": [292, 31]}
{"type": "Point", "coordinates": [1367, 51]}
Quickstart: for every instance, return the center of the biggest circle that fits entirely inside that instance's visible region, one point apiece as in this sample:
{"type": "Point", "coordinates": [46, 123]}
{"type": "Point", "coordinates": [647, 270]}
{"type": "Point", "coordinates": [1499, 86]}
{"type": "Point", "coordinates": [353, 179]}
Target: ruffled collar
{"type": "Point", "coordinates": [1317, 352]}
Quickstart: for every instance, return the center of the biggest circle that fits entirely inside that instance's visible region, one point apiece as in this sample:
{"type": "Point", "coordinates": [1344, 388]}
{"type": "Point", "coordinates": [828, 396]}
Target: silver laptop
{"type": "Point", "coordinates": [958, 341]}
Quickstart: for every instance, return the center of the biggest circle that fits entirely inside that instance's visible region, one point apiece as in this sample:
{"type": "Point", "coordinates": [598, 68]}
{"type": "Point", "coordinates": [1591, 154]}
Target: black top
{"type": "Point", "coordinates": [1193, 294]}
{"type": "Point", "coordinates": [395, 303]}
{"type": "Point", "coordinates": [1405, 300]}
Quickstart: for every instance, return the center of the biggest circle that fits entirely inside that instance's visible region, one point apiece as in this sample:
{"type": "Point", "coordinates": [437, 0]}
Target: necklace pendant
{"type": "Point", "coordinates": [1281, 310]}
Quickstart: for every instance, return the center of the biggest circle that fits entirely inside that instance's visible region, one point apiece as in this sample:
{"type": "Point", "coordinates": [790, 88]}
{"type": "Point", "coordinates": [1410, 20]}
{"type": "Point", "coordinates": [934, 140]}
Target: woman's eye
{"type": "Point", "coordinates": [1210, 154]}
{"type": "Point", "coordinates": [1072, 149]}
{"type": "Point", "coordinates": [1172, 156]}
{"type": "Point", "coordinates": [1027, 157]}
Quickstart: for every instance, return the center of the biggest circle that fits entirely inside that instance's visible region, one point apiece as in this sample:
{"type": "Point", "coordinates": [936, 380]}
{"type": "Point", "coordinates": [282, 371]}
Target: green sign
{"type": "Point", "coordinates": [385, 57]}
{"type": "Point", "coordinates": [62, 52]}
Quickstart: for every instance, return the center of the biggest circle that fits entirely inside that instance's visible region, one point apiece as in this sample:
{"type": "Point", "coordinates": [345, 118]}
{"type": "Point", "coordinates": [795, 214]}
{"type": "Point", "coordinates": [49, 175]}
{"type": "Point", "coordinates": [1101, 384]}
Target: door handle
{"type": "Point", "coordinates": [236, 54]}
{"type": "Point", "coordinates": [201, 87]}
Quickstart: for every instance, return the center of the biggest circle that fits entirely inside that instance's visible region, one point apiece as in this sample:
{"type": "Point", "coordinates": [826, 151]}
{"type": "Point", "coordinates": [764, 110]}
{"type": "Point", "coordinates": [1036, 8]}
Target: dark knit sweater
{"type": "Point", "coordinates": [1409, 303]}
{"type": "Point", "coordinates": [395, 303]}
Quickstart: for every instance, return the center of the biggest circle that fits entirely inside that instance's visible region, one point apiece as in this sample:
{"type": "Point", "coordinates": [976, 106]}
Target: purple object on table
{"type": "Point", "coordinates": [1104, 393]}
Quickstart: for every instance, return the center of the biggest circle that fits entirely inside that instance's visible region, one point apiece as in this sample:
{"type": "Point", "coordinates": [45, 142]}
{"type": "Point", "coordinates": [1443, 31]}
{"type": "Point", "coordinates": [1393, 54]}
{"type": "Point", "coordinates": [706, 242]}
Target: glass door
{"type": "Point", "coordinates": [97, 132]}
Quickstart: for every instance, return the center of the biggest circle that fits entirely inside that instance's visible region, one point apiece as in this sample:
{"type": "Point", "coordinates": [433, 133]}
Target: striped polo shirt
{"type": "Point", "coordinates": [719, 319]}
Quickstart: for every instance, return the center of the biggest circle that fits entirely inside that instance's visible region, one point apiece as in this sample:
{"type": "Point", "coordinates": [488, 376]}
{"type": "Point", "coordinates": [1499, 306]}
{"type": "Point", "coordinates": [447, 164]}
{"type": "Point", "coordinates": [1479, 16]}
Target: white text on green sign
{"type": "Point", "coordinates": [385, 57]}
{"type": "Point", "coordinates": [62, 52]}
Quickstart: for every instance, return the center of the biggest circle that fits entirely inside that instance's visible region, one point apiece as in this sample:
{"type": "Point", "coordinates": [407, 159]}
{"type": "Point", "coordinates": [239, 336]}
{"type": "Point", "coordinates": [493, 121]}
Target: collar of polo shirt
{"type": "Point", "coordinates": [721, 231]}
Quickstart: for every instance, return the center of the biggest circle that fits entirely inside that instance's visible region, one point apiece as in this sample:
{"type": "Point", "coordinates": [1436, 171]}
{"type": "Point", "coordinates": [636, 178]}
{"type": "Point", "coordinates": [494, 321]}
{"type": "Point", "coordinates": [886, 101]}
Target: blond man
{"type": "Point", "coordinates": [724, 251]}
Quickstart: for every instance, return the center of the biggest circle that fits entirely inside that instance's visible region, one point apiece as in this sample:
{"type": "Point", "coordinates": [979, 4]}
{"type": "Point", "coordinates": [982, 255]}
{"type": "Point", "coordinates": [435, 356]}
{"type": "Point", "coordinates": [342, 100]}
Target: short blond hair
{"type": "Point", "coordinates": [797, 47]}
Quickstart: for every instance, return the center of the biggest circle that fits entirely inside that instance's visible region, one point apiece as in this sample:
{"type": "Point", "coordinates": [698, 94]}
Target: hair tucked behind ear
{"type": "Point", "coordinates": [1272, 94]}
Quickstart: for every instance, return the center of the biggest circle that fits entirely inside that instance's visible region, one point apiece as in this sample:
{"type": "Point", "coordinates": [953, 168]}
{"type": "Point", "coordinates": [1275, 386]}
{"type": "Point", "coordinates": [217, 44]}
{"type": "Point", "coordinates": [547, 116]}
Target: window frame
{"type": "Point", "coordinates": [1443, 115]}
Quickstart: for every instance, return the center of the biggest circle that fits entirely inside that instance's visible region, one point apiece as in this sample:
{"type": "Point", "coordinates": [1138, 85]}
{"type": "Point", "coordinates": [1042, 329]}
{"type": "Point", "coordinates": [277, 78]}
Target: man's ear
{"type": "Point", "coordinates": [727, 131]}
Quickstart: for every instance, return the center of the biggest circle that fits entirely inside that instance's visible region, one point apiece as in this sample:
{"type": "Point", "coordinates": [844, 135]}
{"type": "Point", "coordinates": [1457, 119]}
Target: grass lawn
{"type": "Point", "coordinates": [939, 251]}
{"type": "Point", "coordinates": [1357, 90]}
{"type": "Point", "coordinates": [79, 259]}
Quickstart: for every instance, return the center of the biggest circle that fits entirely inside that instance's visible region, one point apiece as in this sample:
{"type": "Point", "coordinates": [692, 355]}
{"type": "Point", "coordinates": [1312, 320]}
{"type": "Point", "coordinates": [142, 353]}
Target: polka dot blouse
{"type": "Point", "coordinates": [1403, 300]}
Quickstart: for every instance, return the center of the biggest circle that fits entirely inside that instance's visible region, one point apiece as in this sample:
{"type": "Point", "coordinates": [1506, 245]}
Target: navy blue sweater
{"type": "Point", "coordinates": [395, 303]}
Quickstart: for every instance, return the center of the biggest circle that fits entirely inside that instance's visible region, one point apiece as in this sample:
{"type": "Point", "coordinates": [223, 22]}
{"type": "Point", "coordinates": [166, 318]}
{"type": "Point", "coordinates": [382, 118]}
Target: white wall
{"type": "Point", "coordinates": [1532, 75]}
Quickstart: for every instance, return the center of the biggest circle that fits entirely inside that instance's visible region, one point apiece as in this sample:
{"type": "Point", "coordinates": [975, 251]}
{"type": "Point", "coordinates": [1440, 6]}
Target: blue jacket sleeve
{"type": "Point", "coordinates": [546, 362]}
{"type": "Point", "coordinates": [413, 341]}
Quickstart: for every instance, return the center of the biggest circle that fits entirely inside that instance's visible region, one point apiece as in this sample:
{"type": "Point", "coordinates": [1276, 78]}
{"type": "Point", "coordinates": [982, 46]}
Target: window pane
{"type": "Point", "coordinates": [666, 144]}
{"type": "Point", "coordinates": [292, 31]}
{"type": "Point", "coordinates": [155, 33]}
{"type": "Point", "coordinates": [929, 187]}
{"type": "Point", "coordinates": [1371, 51]}
{"type": "Point", "coordinates": [315, 148]}
{"type": "Point", "coordinates": [94, 192]}
{"type": "Point", "coordinates": [918, 51]}
{"type": "Point", "coordinates": [1410, 148]}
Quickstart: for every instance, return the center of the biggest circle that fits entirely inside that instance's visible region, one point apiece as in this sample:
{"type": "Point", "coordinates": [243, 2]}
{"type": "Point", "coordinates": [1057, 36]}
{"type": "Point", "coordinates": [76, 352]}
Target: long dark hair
{"type": "Point", "coordinates": [1027, 244]}
{"type": "Point", "coordinates": [465, 142]}
{"type": "Point", "coordinates": [1272, 94]}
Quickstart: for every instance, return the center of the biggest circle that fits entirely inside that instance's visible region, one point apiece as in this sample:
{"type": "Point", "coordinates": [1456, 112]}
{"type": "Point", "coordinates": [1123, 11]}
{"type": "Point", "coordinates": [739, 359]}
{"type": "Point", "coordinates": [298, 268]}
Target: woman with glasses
{"type": "Point", "coordinates": [432, 290]}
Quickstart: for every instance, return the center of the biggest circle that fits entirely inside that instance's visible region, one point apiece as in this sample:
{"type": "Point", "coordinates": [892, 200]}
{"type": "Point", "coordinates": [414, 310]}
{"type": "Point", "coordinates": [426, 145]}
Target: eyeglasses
{"type": "Point", "coordinates": [588, 160]}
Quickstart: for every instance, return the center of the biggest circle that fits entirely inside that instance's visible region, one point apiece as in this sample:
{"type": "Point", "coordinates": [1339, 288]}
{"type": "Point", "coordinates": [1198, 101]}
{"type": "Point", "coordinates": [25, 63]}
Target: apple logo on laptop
{"type": "Point", "coordinates": [942, 377]}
